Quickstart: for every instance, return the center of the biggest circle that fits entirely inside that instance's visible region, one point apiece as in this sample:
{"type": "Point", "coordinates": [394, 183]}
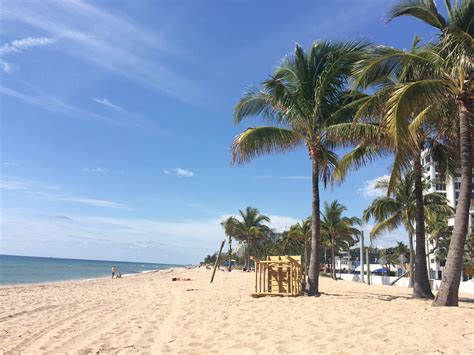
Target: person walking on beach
{"type": "Point", "coordinates": [114, 271]}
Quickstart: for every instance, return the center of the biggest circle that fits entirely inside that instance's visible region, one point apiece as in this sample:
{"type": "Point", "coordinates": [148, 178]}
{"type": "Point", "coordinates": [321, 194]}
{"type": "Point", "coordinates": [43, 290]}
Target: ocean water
{"type": "Point", "coordinates": [27, 269]}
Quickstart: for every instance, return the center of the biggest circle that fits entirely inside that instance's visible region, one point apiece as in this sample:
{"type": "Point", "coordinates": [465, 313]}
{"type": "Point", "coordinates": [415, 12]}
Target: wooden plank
{"type": "Point", "coordinates": [217, 261]}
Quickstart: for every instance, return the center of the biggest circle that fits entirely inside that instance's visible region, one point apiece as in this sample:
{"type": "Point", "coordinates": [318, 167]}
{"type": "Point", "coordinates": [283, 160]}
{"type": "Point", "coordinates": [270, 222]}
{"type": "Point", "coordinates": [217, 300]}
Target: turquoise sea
{"type": "Point", "coordinates": [28, 269]}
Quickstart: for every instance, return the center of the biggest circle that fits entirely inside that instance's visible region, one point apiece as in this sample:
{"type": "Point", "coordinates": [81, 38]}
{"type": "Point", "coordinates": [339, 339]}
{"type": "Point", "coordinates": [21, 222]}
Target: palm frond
{"type": "Point", "coordinates": [424, 10]}
{"type": "Point", "coordinates": [263, 140]}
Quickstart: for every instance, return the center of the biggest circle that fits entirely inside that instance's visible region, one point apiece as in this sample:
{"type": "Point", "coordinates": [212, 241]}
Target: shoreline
{"type": "Point", "coordinates": [89, 279]}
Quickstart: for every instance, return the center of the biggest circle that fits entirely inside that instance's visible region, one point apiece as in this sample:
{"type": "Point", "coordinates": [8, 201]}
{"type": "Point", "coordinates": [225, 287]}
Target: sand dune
{"type": "Point", "coordinates": [150, 314]}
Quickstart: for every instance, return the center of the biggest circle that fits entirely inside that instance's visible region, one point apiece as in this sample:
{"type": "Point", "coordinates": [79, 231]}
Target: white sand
{"type": "Point", "coordinates": [150, 314]}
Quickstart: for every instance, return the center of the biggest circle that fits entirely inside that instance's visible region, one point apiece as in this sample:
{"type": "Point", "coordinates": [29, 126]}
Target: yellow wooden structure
{"type": "Point", "coordinates": [278, 276]}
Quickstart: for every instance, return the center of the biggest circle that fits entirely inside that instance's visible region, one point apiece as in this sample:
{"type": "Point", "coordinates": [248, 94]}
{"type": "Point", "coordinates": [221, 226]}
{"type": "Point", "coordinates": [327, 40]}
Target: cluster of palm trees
{"type": "Point", "coordinates": [251, 228]}
{"type": "Point", "coordinates": [421, 98]}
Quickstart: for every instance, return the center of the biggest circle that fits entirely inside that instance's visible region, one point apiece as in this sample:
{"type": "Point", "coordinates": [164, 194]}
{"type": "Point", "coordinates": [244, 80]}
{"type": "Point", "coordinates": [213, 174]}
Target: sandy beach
{"type": "Point", "coordinates": [149, 313]}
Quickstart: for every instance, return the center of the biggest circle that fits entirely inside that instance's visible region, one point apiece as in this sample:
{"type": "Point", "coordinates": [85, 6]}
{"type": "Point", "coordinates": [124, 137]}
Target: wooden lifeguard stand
{"type": "Point", "coordinates": [278, 276]}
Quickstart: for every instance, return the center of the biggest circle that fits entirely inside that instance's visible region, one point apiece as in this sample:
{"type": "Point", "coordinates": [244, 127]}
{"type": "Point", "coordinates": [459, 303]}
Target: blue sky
{"type": "Point", "coordinates": [116, 121]}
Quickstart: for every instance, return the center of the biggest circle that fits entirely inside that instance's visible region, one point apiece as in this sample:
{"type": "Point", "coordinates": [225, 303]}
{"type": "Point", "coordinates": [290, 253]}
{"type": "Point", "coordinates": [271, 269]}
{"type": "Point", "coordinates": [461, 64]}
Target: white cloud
{"type": "Point", "coordinates": [95, 170]}
{"type": "Point", "coordinates": [368, 189]}
{"type": "Point", "coordinates": [297, 177]}
{"type": "Point", "coordinates": [290, 177]}
{"type": "Point", "coordinates": [282, 223]}
{"type": "Point", "coordinates": [13, 185]}
{"type": "Point", "coordinates": [183, 172]}
{"type": "Point", "coordinates": [167, 172]}
{"type": "Point", "coordinates": [113, 43]}
{"type": "Point", "coordinates": [91, 202]}
{"type": "Point", "coordinates": [105, 102]}
{"type": "Point", "coordinates": [20, 45]}
{"type": "Point", "coordinates": [57, 106]}
{"type": "Point", "coordinates": [52, 193]}
{"type": "Point", "coordinates": [109, 238]}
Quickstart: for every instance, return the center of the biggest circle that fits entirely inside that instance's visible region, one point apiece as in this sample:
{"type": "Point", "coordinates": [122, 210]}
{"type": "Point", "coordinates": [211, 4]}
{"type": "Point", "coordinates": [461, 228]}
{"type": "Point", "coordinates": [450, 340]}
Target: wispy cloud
{"type": "Point", "coordinates": [368, 189]}
{"type": "Point", "coordinates": [180, 172]}
{"type": "Point", "coordinates": [290, 177]}
{"type": "Point", "coordinates": [58, 106]}
{"type": "Point", "coordinates": [297, 177]}
{"type": "Point", "coordinates": [8, 163]}
{"type": "Point", "coordinates": [13, 185]}
{"type": "Point", "coordinates": [53, 193]}
{"type": "Point", "coordinates": [105, 102]}
{"type": "Point", "coordinates": [95, 170]}
{"type": "Point", "coordinates": [183, 172]}
{"type": "Point", "coordinates": [19, 45]}
{"type": "Point", "coordinates": [108, 238]}
{"type": "Point", "coordinates": [124, 48]}
{"type": "Point", "coordinates": [91, 202]}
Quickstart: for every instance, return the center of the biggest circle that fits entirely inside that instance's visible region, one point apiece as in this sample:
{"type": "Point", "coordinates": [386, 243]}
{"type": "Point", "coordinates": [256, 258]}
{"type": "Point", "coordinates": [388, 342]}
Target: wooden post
{"type": "Point", "coordinates": [217, 260]}
{"type": "Point", "coordinates": [368, 265]}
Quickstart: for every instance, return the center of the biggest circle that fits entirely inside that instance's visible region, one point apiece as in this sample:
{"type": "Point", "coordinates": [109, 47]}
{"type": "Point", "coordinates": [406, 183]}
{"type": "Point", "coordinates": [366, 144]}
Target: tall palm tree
{"type": "Point", "coordinates": [302, 99]}
{"type": "Point", "coordinates": [302, 233]}
{"type": "Point", "coordinates": [399, 209]}
{"type": "Point", "coordinates": [251, 227]}
{"type": "Point", "coordinates": [229, 225]}
{"type": "Point", "coordinates": [339, 229]}
{"type": "Point", "coordinates": [450, 83]}
{"type": "Point", "coordinates": [373, 71]}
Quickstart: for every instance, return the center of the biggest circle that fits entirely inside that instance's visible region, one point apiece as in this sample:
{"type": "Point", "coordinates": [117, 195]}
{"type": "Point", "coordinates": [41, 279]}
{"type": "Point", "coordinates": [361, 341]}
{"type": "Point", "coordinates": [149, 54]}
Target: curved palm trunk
{"type": "Point", "coordinates": [333, 259]}
{"type": "Point", "coordinates": [421, 287]}
{"type": "Point", "coordinates": [312, 288]}
{"type": "Point", "coordinates": [448, 291]}
{"type": "Point", "coordinates": [411, 262]}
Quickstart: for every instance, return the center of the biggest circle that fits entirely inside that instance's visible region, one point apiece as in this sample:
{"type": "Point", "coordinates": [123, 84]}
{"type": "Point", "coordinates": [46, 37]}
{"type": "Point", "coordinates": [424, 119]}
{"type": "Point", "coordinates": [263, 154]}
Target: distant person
{"type": "Point", "coordinates": [180, 279]}
{"type": "Point", "coordinates": [114, 271]}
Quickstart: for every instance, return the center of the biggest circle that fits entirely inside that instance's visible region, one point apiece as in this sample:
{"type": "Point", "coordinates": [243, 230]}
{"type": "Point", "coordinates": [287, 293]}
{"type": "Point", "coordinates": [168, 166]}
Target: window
{"type": "Point", "coordinates": [432, 261]}
{"type": "Point", "coordinates": [457, 185]}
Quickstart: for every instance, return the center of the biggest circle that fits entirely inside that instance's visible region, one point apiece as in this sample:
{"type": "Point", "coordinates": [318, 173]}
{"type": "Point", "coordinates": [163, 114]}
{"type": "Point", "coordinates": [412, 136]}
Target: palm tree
{"type": "Point", "coordinates": [450, 84]}
{"type": "Point", "coordinates": [401, 249]}
{"type": "Point", "coordinates": [302, 233]}
{"type": "Point", "coordinates": [303, 100]}
{"type": "Point", "coordinates": [251, 227]}
{"type": "Point", "coordinates": [399, 208]}
{"type": "Point", "coordinates": [340, 230]}
{"type": "Point", "coordinates": [229, 225]}
{"type": "Point", "coordinates": [373, 71]}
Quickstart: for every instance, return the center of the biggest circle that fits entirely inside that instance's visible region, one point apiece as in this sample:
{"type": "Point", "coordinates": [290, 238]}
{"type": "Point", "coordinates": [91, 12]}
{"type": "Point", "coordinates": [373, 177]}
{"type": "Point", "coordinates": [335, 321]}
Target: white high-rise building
{"type": "Point", "coordinates": [449, 187]}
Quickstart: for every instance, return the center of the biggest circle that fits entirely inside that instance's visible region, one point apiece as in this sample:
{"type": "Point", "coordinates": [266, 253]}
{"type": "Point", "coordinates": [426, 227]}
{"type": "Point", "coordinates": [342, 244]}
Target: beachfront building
{"type": "Point", "coordinates": [448, 186]}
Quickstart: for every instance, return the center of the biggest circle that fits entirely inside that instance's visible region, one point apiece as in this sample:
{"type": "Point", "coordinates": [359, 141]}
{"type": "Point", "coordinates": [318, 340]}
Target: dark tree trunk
{"type": "Point", "coordinates": [448, 291]}
{"type": "Point", "coordinates": [305, 252]}
{"type": "Point", "coordinates": [333, 259]}
{"type": "Point", "coordinates": [248, 252]}
{"type": "Point", "coordinates": [411, 262]}
{"type": "Point", "coordinates": [421, 287]}
{"type": "Point", "coordinates": [312, 288]}
{"type": "Point", "coordinates": [230, 253]}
